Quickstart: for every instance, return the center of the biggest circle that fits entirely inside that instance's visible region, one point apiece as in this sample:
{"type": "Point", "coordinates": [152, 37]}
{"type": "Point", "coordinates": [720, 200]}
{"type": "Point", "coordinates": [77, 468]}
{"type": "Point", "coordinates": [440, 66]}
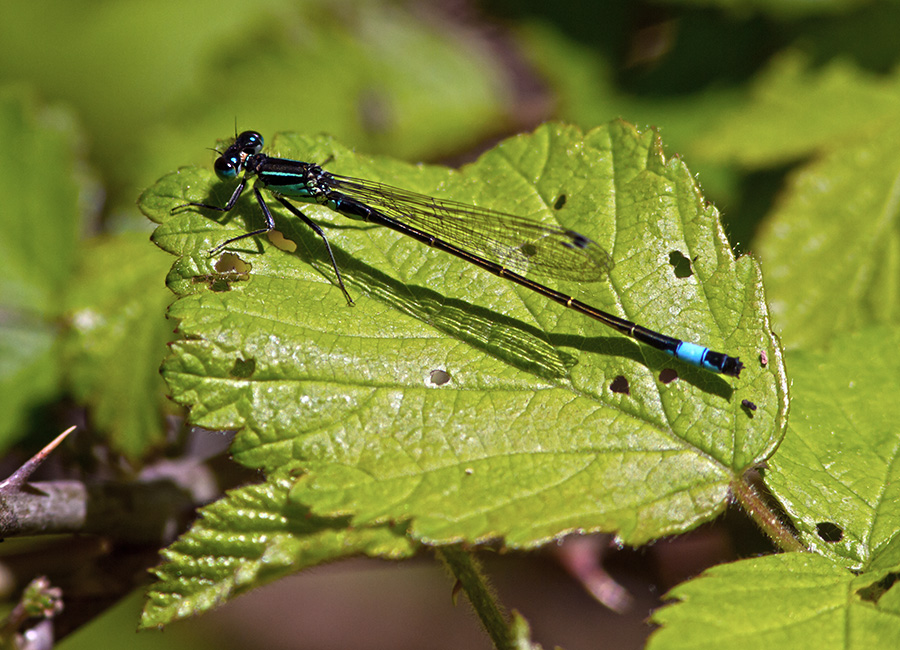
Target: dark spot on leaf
{"type": "Point", "coordinates": [243, 368]}
{"type": "Point", "coordinates": [439, 377]}
{"type": "Point", "coordinates": [668, 375]}
{"type": "Point", "coordinates": [874, 592]}
{"type": "Point", "coordinates": [829, 531]}
{"type": "Point", "coordinates": [620, 385]}
{"type": "Point", "coordinates": [680, 264]}
{"type": "Point", "coordinates": [528, 250]}
{"type": "Point", "coordinates": [763, 357]}
{"type": "Point", "coordinates": [560, 202]}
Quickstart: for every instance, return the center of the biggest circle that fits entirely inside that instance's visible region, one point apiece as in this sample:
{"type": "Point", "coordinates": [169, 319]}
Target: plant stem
{"type": "Point", "coordinates": [766, 518]}
{"type": "Point", "coordinates": [471, 578]}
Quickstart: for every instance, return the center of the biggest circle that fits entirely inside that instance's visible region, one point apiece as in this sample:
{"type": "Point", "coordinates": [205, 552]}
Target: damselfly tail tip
{"type": "Point", "coordinates": [732, 367]}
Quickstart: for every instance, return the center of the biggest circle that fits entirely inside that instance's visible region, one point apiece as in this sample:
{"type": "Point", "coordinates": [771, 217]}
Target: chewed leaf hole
{"type": "Point", "coordinates": [620, 385]}
{"type": "Point", "coordinates": [680, 265]}
{"type": "Point", "coordinates": [829, 531]}
{"type": "Point", "coordinates": [229, 269]}
{"type": "Point", "coordinates": [668, 375]}
{"type": "Point", "coordinates": [439, 377]}
{"type": "Point", "coordinates": [279, 241]}
{"type": "Point", "coordinates": [229, 263]}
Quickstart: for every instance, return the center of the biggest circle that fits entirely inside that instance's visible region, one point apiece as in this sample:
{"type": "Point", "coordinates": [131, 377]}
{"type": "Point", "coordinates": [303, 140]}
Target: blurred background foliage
{"type": "Point", "coordinates": [99, 98]}
{"type": "Point", "coordinates": [153, 83]}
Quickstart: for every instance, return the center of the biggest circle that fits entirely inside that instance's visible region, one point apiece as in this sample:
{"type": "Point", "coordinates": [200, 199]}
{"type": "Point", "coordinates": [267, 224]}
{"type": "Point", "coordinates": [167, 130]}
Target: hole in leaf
{"type": "Point", "coordinates": [668, 375]}
{"type": "Point", "coordinates": [229, 263]}
{"type": "Point", "coordinates": [278, 241]}
{"type": "Point", "coordinates": [680, 265]}
{"type": "Point", "coordinates": [243, 368]}
{"type": "Point", "coordinates": [620, 385]}
{"type": "Point", "coordinates": [229, 268]}
{"type": "Point", "coordinates": [763, 358]}
{"type": "Point", "coordinates": [829, 531]}
{"type": "Point", "coordinates": [560, 202]}
{"type": "Point", "coordinates": [439, 377]}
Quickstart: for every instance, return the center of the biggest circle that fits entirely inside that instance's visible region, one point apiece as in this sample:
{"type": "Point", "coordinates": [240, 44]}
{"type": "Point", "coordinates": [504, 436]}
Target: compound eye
{"type": "Point", "coordinates": [250, 142]}
{"type": "Point", "coordinates": [227, 166]}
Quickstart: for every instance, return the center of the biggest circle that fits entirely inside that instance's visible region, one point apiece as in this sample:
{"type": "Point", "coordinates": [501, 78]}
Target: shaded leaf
{"type": "Point", "coordinates": [775, 8]}
{"type": "Point", "coordinates": [253, 536]}
{"type": "Point", "coordinates": [41, 221]}
{"type": "Point", "coordinates": [795, 110]}
{"type": "Point", "coordinates": [117, 340]}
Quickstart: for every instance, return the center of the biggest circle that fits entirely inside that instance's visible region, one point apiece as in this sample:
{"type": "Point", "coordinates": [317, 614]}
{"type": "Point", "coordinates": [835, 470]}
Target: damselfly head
{"type": "Point", "coordinates": [231, 161]}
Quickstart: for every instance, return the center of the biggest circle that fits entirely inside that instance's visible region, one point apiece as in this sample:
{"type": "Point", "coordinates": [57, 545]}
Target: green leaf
{"type": "Point", "coordinates": [781, 601]}
{"type": "Point", "coordinates": [783, 118]}
{"type": "Point", "coordinates": [587, 82]}
{"type": "Point", "coordinates": [832, 247]}
{"type": "Point", "coordinates": [530, 437]}
{"type": "Point", "coordinates": [590, 89]}
{"type": "Point", "coordinates": [836, 473]}
{"type": "Point", "coordinates": [184, 72]}
{"type": "Point", "coordinates": [349, 74]}
{"type": "Point", "coordinates": [117, 340]}
{"type": "Point", "coordinates": [356, 79]}
{"type": "Point", "coordinates": [41, 221]}
{"type": "Point", "coordinates": [783, 9]}
{"type": "Point", "coordinates": [253, 536]}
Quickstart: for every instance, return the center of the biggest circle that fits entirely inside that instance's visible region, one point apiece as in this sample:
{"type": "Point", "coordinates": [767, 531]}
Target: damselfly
{"type": "Point", "coordinates": [503, 244]}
